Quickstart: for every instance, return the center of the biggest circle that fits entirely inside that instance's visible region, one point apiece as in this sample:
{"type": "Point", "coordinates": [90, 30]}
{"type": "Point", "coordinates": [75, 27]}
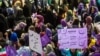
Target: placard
{"type": "Point", "coordinates": [72, 38]}
{"type": "Point", "coordinates": [35, 42]}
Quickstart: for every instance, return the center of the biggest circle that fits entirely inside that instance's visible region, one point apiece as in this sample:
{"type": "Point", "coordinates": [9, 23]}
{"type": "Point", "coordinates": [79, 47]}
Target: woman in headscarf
{"type": "Point", "coordinates": [92, 3]}
{"type": "Point", "coordinates": [49, 50]}
{"type": "Point", "coordinates": [11, 18]}
{"type": "Point", "coordinates": [63, 23]}
{"type": "Point", "coordinates": [61, 15]}
{"type": "Point", "coordinates": [88, 24]}
{"type": "Point", "coordinates": [80, 8]}
{"type": "Point", "coordinates": [76, 23]}
{"type": "Point", "coordinates": [27, 11]}
{"type": "Point", "coordinates": [69, 15]}
{"type": "Point", "coordinates": [20, 16]}
{"type": "Point", "coordinates": [17, 3]}
{"type": "Point", "coordinates": [39, 21]}
{"type": "Point", "coordinates": [19, 28]}
{"type": "Point", "coordinates": [93, 11]}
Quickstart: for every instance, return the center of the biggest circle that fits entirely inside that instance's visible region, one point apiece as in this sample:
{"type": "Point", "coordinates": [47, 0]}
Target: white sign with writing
{"type": "Point", "coordinates": [35, 42]}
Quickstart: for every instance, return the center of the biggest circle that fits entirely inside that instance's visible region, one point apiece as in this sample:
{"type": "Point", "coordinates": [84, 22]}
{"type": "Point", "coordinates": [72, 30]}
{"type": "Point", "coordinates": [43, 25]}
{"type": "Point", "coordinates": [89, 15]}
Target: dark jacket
{"type": "Point", "coordinates": [3, 23]}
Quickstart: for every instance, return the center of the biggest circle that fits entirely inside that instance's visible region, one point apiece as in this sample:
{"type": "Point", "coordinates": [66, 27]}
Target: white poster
{"type": "Point", "coordinates": [35, 42]}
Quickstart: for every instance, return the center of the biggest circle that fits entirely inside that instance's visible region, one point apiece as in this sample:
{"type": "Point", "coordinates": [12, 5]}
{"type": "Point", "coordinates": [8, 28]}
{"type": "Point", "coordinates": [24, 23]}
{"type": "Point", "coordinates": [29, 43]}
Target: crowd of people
{"type": "Point", "coordinates": [44, 17]}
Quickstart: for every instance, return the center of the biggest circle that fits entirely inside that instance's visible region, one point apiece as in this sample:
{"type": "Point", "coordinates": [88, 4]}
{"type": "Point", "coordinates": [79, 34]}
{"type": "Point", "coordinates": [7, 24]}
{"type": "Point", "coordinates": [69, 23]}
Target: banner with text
{"type": "Point", "coordinates": [72, 38]}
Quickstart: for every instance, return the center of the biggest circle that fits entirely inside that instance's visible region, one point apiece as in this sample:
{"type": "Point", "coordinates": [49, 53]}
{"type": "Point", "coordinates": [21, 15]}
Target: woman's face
{"type": "Point", "coordinates": [88, 20]}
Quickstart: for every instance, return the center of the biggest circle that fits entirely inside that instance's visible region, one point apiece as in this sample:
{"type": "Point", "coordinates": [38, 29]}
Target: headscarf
{"type": "Point", "coordinates": [88, 19]}
{"type": "Point", "coordinates": [49, 48]}
{"type": "Point", "coordinates": [63, 23]}
{"type": "Point", "coordinates": [20, 26]}
{"type": "Point", "coordinates": [48, 32]}
{"type": "Point", "coordinates": [95, 9]}
{"type": "Point", "coordinates": [92, 3]}
{"type": "Point", "coordinates": [69, 15]}
{"type": "Point", "coordinates": [40, 18]}
{"type": "Point", "coordinates": [80, 8]}
{"type": "Point", "coordinates": [10, 11]}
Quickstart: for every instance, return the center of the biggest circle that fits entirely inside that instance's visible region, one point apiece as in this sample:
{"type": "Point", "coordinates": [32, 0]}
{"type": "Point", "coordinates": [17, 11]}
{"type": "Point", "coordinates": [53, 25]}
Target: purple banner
{"type": "Point", "coordinates": [72, 38]}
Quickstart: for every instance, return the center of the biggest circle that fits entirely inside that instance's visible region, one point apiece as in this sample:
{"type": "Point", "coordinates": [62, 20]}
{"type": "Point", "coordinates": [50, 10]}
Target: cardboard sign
{"type": "Point", "coordinates": [35, 42]}
{"type": "Point", "coordinates": [72, 38]}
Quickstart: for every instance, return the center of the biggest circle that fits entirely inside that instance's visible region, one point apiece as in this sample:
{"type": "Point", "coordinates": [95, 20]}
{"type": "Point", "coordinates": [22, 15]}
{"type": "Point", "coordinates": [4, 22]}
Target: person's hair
{"type": "Point", "coordinates": [22, 42]}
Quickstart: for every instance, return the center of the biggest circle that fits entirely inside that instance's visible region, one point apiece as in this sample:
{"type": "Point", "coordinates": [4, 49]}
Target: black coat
{"type": "Point", "coordinates": [50, 18]}
{"type": "Point", "coordinates": [11, 21]}
{"type": "Point", "coordinates": [3, 23]}
{"type": "Point", "coordinates": [27, 9]}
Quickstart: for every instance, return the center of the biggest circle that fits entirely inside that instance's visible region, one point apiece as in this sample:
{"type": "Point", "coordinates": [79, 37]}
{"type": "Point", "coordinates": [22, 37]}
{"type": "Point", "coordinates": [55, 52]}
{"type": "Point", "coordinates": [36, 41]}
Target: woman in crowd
{"type": "Point", "coordinates": [46, 21]}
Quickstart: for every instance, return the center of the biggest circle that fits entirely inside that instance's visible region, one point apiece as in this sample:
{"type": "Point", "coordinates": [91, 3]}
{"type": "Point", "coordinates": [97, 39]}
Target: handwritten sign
{"type": "Point", "coordinates": [35, 42]}
{"type": "Point", "coordinates": [72, 38]}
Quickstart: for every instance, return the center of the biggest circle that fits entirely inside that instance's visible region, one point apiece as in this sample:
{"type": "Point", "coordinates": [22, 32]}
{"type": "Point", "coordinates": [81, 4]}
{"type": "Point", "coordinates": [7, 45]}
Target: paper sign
{"type": "Point", "coordinates": [72, 38]}
{"type": "Point", "coordinates": [35, 42]}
